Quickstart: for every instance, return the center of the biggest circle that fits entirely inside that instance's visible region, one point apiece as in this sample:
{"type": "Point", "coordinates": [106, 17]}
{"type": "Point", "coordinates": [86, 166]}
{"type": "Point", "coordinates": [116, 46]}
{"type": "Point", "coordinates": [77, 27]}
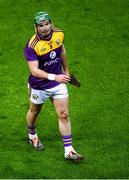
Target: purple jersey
{"type": "Point", "coordinates": [47, 53]}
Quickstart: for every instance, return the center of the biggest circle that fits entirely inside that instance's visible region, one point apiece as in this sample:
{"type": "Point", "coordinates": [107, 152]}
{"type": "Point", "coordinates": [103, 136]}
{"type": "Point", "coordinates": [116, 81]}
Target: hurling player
{"type": "Point", "coordinates": [46, 57]}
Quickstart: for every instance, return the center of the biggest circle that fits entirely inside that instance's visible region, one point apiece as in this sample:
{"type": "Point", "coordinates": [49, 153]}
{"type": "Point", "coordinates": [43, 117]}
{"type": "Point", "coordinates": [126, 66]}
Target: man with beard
{"type": "Point", "coordinates": [46, 57]}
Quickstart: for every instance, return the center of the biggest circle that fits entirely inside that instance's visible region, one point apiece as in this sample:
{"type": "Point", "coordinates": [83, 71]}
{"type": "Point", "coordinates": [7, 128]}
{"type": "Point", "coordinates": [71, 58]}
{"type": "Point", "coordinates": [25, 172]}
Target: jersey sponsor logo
{"type": "Point", "coordinates": [52, 54]}
{"type": "Point", "coordinates": [51, 62]}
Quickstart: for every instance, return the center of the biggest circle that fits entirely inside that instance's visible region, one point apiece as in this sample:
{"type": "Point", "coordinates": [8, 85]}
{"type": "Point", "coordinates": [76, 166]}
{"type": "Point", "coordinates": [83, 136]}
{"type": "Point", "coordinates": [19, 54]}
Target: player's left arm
{"type": "Point", "coordinates": [64, 61]}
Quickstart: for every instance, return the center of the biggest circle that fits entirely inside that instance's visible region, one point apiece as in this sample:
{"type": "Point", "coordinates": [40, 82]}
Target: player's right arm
{"type": "Point", "coordinates": [35, 71]}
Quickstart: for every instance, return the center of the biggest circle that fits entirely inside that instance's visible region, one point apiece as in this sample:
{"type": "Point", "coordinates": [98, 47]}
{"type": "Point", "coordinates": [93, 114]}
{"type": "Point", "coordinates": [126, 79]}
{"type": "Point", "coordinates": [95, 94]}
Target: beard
{"type": "Point", "coordinates": [45, 35]}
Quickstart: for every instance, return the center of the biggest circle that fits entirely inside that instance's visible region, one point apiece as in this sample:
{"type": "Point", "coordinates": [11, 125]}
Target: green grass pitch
{"type": "Point", "coordinates": [97, 44]}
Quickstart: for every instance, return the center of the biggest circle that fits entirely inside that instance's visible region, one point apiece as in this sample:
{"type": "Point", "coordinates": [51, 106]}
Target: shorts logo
{"type": "Point", "coordinates": [52, 54]}
{"type": "Point", "coordinates": [34, 96]}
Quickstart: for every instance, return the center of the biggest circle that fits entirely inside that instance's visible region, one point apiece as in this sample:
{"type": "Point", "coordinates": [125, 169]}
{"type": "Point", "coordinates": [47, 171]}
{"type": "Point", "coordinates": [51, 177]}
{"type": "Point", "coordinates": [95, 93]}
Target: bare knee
{"type": "Point", "coordinates": [64, 116]}
{"type": "Point", "coordinates": [34, 112]}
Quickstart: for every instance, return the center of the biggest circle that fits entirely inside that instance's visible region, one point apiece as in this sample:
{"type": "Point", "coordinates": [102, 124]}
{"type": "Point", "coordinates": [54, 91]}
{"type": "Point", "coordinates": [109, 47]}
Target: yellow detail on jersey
{"type": "Point", "coordinates": [33, 41]}
{"type": "Point", "coordinates": [43, 47]}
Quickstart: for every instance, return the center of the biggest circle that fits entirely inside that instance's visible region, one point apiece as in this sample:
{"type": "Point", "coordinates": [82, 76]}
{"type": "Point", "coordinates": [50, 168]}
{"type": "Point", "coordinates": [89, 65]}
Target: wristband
{"type": "Point", "coordinates": [51, 77]}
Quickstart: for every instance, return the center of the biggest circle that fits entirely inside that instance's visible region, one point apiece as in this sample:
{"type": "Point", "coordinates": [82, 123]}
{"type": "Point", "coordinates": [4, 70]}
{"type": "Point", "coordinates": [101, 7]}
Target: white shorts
{"type": "Point", "coordinates": [40, 96]}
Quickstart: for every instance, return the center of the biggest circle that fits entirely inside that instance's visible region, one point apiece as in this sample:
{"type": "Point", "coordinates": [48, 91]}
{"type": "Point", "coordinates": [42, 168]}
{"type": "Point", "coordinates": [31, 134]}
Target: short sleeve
{"type": "Point", "coordinates": [30, 54]}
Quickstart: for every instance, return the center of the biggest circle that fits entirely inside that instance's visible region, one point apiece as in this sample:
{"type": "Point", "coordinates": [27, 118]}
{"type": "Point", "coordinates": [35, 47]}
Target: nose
{"type": "Point", "coordinates": [46, 28]}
